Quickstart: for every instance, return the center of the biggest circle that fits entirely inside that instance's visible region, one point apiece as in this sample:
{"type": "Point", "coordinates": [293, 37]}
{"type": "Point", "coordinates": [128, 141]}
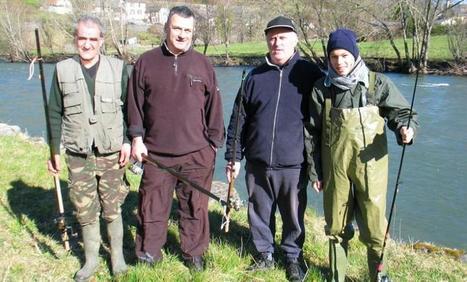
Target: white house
{"type": "Point", "coordinates": [161, 16]}
{"type": "Point", "coordinates": [135, 12]}
{"type": "Point", "coordinates": [59, 6]}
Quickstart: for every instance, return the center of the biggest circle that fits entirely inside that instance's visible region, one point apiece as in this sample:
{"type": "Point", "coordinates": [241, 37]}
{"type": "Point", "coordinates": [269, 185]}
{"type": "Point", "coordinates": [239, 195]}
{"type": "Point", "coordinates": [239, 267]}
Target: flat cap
{"type": "Point", "coordinates": [280, 21]}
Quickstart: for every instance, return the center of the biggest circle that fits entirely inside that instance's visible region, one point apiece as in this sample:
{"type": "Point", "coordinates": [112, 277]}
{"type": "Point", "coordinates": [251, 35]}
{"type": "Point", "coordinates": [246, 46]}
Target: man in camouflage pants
{"type": "Point", "coordinates": [85, 110]}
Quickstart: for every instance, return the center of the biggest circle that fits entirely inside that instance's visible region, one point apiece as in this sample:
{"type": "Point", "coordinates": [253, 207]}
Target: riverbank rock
{"type": "Point", "coordinates": [14, 130]}
{"type": "Point", "coordinates": [9, 130]}
{"type": "Point", "coordinates": [428, 248]}
{"type": "Point", "coordinates": [464, 258]}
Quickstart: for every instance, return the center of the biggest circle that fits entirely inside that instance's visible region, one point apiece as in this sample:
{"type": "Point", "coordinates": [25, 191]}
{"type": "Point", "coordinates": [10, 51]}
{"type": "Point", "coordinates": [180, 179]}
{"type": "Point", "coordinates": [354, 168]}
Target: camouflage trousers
{"type": "Point", "coordinates": [97, 184]}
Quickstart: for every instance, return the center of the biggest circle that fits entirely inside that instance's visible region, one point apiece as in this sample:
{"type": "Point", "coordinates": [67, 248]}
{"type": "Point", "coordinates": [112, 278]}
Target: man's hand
{"type": "Point", "coordinates": [53, 165]}
{"type": "Point", "coordinates": [138, 149]}
{"type": "Point", "coordinates": [125, 152]}
{"type": "Point", "coordinates": [318, 185]}
{"type": "Point", "coordinates": [406, 134]}
{"type": "Point", "coordinates": [232, 169]}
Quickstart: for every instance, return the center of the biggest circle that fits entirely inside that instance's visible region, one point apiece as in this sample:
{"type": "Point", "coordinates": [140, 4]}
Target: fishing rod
{"type": "Point", "coordinates": [226, 218]}
{"type": "Point", "coordinates": [379, 266]}
{"type": "Point", "coordinates": [63, 228]}
{"type": "Point", "coordinates": [183, 179]}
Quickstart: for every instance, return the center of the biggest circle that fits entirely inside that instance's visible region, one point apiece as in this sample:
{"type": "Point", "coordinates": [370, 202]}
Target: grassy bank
{"type": "Point", "coordinates": [439, 49]}
{"type": "Point", "coordinates": [30, 247]}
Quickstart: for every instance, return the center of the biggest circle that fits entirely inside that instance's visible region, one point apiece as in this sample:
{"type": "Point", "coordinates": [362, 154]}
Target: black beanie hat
{"type": "Point", "coordinates": [343, 38]}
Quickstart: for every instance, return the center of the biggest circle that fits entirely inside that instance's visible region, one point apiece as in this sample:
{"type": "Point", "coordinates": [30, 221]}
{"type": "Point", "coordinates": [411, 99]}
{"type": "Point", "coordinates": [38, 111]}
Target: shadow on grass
{"type": "Point", "coordinates": [237, 237]}
{"type": "Point", "coordinates": [39, 206]}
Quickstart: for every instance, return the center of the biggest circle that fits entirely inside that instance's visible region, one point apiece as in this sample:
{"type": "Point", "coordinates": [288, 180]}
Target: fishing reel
{"type": "Point", "coordinates": [68, 229]}
{"type": "Point", "coordinates": [383, 278]}
{"type": "Point", "coordinates": [236, 204]}
{"type": "Point", "coordinates": [136, 168]}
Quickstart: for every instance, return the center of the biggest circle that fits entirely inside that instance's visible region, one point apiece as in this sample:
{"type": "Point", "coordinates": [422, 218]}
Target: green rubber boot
{"type": "Point", "coordinates": [338, 260]}
{"type": "Point", "coordinates": [115, 233]}
{"type": "Point", "coordinates": [92, 243]}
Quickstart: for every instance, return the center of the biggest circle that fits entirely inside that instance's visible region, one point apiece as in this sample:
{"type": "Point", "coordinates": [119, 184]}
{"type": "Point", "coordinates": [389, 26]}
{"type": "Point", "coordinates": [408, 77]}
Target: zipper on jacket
{"type": "Point", "coordinates": [275, 116]}
{"type": "Point", "coordinates": [175, 64]}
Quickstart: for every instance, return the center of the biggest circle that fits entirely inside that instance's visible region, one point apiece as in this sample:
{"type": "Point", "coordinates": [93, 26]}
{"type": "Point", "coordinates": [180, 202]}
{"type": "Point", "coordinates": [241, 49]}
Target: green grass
{"type": "Point", "coordinates": [246, 49]}
{"type": "Point", "coordinates": [381, 49]}
{"type": "Point", "coordinates": [377, 49]}
{"type": "Point", "coordinates": [438, 49]}
{"type": "Point", "coordinates": [31, 250]}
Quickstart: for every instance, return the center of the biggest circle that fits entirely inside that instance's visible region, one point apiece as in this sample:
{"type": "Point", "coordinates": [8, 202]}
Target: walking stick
{"type": "Point", "coordinates": [226, 218]}
{"type": "Point", "coordinates": [60, 220]}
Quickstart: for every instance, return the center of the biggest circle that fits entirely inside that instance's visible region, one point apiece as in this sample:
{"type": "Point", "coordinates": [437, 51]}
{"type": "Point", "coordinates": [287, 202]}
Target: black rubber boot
{"type": "Point", "coordinates": [92, 243]}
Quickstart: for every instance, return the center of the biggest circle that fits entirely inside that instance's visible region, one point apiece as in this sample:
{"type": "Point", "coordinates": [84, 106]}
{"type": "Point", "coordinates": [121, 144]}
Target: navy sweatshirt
{"type": "Point", "coordinates": [273, 112]}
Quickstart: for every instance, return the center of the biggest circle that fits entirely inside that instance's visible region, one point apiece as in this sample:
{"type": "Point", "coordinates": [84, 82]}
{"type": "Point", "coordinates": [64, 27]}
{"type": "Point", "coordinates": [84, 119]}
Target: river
{"type": "Point", "coordinates": [431, 203]}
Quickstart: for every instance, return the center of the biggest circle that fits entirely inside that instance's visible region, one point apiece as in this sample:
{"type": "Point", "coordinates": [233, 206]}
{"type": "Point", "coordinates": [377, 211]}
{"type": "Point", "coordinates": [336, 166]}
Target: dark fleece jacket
{"type": "Point", "coordinates": [174, 102]}
{"type": "Point", "coordinates": [274, 107]}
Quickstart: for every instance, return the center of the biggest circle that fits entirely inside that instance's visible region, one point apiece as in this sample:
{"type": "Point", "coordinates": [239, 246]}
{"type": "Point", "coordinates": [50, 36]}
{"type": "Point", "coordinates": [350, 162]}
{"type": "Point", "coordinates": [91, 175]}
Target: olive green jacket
{"type": "Point", "coordinates": [393, 107]}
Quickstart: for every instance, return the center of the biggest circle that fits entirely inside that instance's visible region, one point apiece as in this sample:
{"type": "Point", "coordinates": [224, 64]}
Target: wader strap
{"type": "Point", "coordinates": [326, 129]}
{"type": "Point", "coordinates": [371, 93]}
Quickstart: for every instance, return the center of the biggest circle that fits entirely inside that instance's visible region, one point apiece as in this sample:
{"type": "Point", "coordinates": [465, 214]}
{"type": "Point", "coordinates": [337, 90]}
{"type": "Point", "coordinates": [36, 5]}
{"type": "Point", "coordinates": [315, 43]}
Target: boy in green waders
{"type": "Point", "coordinates": [347, 149]}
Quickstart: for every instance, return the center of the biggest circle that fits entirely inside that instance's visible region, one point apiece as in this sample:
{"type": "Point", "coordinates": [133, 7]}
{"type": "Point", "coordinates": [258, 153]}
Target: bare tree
{"type": "Point", "coordinates": [224, 20]}
{"type": "Point", "coordinates": [117, 27]}
{"type": "Point", "coordinates": [57, 32]}
{"type": "Point", "coordinates": [380, 22]}
{"type": "Point", "coordinates": [205, 25]}
{"type": "Point", "coordinates": [457, 40]}
{"type": "Point", "coordinates": [403, 14]}
{"type": "Point", "coordinates": [426, 12]}
{"type": "Point", "coordinates": [12, 28]}
{"type": "Point", "coordinates": [81, 7]}
{"type": "Point", "coordinates": [303, 14]}
{"type": "Point", "coordinates": [48, 32]}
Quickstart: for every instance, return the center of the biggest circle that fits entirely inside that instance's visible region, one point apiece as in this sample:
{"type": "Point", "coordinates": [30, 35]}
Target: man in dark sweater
{"type": "Point", "coordinates": [271, 139]}
{"type": "Point", "coordinates": [175, 116]}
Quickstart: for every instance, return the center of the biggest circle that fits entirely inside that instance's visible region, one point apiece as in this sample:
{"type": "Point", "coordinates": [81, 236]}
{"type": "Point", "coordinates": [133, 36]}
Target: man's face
{"type": "Point", "coordinates": [88, 42]}
{"type": "Point", "coordinates": [342, 61]}
{"type": "Point", "coordinates": [281, 44]}
{"type": "Point", "coordinates": [179, 33]}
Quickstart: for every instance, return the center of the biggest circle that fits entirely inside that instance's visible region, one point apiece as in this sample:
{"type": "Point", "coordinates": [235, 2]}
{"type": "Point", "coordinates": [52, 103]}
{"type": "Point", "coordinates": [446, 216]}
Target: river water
{"type": "Point", "coordinates": [431, 203]}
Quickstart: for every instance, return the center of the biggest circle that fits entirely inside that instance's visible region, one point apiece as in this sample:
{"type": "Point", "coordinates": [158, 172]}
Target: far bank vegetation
{"type": "Point", "coordinates": [407, 25]}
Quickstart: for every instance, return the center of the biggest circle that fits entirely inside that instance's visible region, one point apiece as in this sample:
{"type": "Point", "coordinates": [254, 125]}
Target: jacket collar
{"type": "Point", "coordinates": [295, 57]}
{"type": "Point", "coordinates": [167, 52]}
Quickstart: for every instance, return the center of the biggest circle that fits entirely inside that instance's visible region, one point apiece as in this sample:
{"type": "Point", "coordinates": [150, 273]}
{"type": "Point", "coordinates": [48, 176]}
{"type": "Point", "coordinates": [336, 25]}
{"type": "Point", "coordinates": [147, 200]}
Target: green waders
{"type": "Point", "coordinates": [355, 167]}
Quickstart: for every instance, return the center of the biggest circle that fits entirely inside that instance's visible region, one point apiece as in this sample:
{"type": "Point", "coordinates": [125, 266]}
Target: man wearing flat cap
{"type": "Point", "coordinates": [271, 139]}
{"type": "Point", "coordinates": [347, 150]}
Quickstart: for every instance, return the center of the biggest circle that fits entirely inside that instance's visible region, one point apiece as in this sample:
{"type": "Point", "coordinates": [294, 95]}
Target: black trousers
{"type": "Point", "coordinates": [269, 189]}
